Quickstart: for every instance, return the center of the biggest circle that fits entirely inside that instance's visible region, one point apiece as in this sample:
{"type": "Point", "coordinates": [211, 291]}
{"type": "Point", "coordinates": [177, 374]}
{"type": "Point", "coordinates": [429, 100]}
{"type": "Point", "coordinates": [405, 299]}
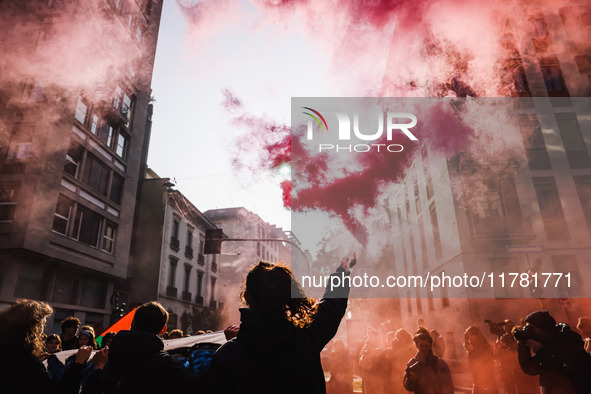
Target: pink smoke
{"type": "Point", "coordinates": [428, 48]}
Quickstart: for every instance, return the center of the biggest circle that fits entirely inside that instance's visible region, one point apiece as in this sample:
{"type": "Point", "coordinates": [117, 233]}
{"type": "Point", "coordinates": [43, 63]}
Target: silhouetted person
{"type": "Point", "coordinates": [555, 353]}
{"type": "Point", "coordinates": [376, 371]}
{"type": "Point", "coordinates": [341, 369]}
{"type": "Point", "coordinates": [53, 343]}
{"type": "Point", "coordinates": [425, 372]}
{"type": "Point", "coordinates": [282, 332]}
{"type": "Point", "coordinates": [584, 327]}
{"type": "Point", "coordinates": [481, 361]}
{"type": "Point", "coordinates": [107, 339]}
{"type": "Point", "coordinates": [21, 346]}
{"type": "Point", "coordinates": [137, 362]}
{"type": "Point", "coordinates": [69, 338]}
{"type": "Point", "coordinates": [402, 350]}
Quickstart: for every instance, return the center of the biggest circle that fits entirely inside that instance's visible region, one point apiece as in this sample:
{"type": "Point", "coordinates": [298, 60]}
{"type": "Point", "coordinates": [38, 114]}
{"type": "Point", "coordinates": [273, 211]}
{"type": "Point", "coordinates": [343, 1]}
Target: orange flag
{"type": "Point", "coordinates": [122, 324]}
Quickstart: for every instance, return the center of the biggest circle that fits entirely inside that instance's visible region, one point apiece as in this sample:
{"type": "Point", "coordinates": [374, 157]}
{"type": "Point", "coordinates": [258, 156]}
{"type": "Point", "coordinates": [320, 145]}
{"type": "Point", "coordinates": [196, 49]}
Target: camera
{"type": "Point", "coordinates": [523, 333]}
{"type": "Point", "coordinates": [497, 329]}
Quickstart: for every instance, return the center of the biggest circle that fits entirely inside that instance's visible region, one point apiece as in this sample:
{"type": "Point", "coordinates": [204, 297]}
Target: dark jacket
{"type": "Point", "coordinates": [433, 376]}
{"type": "Point", "coordinates": [271, 355]}
{"type": "Point", "coordinates": [562, 362]}
{"type": "Point", "coordinates": [26, 374]}
{"type": "Point", "coordinates": [137, 364]}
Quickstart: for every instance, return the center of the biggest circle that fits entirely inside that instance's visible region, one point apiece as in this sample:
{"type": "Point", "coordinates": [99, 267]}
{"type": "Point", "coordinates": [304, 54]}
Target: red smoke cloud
{"type": "Point", "coordinates": [427, 48]}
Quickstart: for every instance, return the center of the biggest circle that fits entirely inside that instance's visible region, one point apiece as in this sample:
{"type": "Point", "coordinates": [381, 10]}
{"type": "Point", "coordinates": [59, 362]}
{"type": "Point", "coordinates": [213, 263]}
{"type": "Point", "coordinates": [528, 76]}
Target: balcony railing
{"type": "Point", "coordinates": [189, 252]}
{"type": "Point", "coordinates": [214, 266]}
{"type": "Point", "coordinates": [213, 304]}
{"type": "Point", "coordinates": [186, 296]}
{"type": "Point", "coordinates": [199, 300]}
{"type": "Point", "coordinates": [201, 259]}
{"type": "Point", "coordinates": [171, 291]}
{"type": "Point", "coordinates": [174, 243]}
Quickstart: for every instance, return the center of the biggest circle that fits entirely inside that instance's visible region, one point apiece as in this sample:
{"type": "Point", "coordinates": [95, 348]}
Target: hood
{"type": "Point", "coordinates": [131, 347]}
{"type": "Point", "coordinates": [264, 329]}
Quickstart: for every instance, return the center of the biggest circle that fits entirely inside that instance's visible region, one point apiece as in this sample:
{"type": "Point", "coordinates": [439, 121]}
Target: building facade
{"type": "Point", "coordinates": [71, 155]}
{"type": "Point", "coordinates": [238, 256]}
{"type": "Point", "coordinates": [168, 261]}
{"type": "Point", "coordinates": [454, 214]}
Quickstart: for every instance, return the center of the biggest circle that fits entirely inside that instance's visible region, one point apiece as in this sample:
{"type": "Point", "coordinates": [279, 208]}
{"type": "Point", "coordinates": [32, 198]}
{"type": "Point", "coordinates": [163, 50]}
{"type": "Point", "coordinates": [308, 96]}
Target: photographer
{"type": "Point", "coordinates": [554, 352]}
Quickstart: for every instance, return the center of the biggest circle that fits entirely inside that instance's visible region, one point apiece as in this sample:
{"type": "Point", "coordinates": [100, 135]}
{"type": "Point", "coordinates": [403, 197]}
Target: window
{"type": "Point", "coordinates": [187, 277]}
{"type": "Point", "coordinates": [65, 289]}
{"type": "Point", "coordinates": [117, 97]}
{"type": "Point", "coordinates": [435, 226]}
{"type": "Point", "coordinates": [514, 78]}
{"type": "Point", "coordinates": [122, 145]}
{"type": "Point", "coordinates": [8, 199]}
{"type": "Point", "coordinates": [551, 208]}
{"type": "Point", "coordinates": [553, 78]}
{"type": "Point", "coordinates": [73, 159]}
{"type": "Point", "coordinates": [62, 215]}
{"type": "Point", "coordinates": [127, 109]}
{"type": "Point", "coordinates": [424, 256]}
{"type": "Point", "coordinates": [199, 283]}
{"type": "Point", "coordinates": [175, 228]}
{"type": "Point", "coordinates": [535, 147]}
{"type": "Point", "coordinates": [109, 237]}
{"type": "Point", "coordinates": [189, 238]}
{"type": "Point", "coordinates": [96, 174]}
{"type": "Point", "coordinates": [81, 111]}
{"type": "Point", "coordinates": [84, 225]}
{"type": "Point", "coordinates": [583, 185]}
{"type": "Point", "coordinates": [567, 264]}
{"type": "Point", "coordinates": [87, 227]}
{"type": "Point", "coordinates": [94, 125]}
{"type": "Point", "coordinates": [106, 132]}
{"type": "Point", "coordinates": [212, 293]}
{"type": "Point", "coordinates": [31, 281]}
{"type": "Point", "coordinates": [572, 139]}
{"type": "Point", "coordinates": [116, 188]}
{"type": "Point", "coordinates": [94, 294]}
{"type": "Point", "coordinates": [172, 272]}
{"type": "Point", "coordinates": [19, 150]}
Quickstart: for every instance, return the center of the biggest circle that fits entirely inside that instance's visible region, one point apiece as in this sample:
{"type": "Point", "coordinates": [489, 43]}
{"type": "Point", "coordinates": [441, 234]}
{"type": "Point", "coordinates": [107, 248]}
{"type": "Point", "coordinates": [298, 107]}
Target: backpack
{"type": "Point", "coordinates": [199, 356]}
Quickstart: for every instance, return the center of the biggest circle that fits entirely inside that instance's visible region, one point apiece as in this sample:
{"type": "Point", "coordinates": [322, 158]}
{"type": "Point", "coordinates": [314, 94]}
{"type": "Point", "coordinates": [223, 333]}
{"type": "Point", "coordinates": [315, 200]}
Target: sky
{"type": "Point", "coordinates": [194, 139]}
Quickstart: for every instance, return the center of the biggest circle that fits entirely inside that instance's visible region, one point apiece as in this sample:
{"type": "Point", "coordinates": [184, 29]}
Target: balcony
{"type": "Point", "coordinates": [188, 252]}
{"type": "Point", "coordinates": [199, 300]}
{"type": "Point", "coordinates": [174, 243]}
{"type": "Point", "coordinates": [214, 266]}
{"type": "Point", "coordinates": [201, 259]}
{"type": "Point", "coordinates": [171, 291]}
{"type": "Point", "coordinates": [186, 296]}
{"type": "Point", "coordinates": [213, 304]}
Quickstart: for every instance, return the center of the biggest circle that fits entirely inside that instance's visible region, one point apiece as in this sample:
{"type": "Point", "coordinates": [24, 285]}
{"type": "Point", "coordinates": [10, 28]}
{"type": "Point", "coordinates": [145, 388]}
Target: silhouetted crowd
{"type": "Point", "coordinates": [283, 345]}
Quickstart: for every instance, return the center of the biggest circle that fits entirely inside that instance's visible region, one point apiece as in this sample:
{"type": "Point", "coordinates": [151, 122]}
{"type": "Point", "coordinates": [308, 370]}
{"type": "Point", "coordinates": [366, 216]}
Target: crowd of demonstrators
{"type": "Point", "coordinates": [22, 348]}
{"type": "Point", "coordinates": [277, 349]}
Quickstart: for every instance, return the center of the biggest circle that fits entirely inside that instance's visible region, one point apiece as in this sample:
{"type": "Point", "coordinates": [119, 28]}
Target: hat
{"type": "Point", "coordinates": [542, 320]}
